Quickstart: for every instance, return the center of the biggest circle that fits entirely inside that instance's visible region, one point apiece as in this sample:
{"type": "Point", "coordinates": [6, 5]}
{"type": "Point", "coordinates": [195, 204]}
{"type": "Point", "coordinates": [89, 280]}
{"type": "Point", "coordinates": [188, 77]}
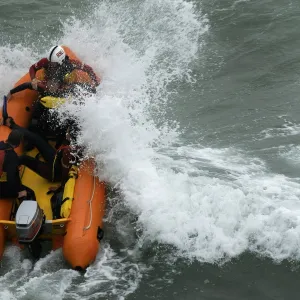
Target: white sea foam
{"type": "Point", "coordinates": [291, 154]}
{"type": "Point", "coordinates": [289, 128]}
{"type": "Point", "coordinates": [207, 204]}
{"type": "Point", "coordinates": [110, 274]}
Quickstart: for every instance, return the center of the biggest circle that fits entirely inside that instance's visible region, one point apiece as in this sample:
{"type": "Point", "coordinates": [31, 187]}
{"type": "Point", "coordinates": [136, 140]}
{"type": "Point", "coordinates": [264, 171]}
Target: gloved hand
{"type": "Point", "coordinates": [22, 194]}
{"type": "Point", "coordinates": [34, 83]}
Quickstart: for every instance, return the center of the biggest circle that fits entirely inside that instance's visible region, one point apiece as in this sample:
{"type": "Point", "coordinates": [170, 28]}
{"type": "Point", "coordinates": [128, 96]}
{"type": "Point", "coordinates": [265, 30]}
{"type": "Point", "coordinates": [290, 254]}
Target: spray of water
{"type": "Point", "coordinates": [207, 204]}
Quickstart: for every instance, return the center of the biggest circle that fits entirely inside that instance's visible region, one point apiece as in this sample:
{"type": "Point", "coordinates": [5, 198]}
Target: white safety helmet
{"type": "Point", "coordinates": [57, 54]}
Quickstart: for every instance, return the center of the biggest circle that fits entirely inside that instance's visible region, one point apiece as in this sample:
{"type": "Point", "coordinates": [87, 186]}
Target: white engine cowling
{"type": "Point", "coordinates": [29, 221]}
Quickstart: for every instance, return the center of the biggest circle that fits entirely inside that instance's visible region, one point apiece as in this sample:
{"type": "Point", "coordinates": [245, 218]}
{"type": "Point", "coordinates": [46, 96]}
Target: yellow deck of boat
{"type": "Point", "coordinates": [40, 187]}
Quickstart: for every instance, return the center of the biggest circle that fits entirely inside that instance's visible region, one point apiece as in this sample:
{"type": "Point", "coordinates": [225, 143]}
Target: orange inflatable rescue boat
{"type": "Point", "coordinates": [78, 226]}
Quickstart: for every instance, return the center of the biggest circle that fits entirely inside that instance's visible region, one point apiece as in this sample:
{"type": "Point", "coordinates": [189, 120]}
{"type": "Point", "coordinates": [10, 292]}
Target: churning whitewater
{"type": "Point", "coordinates": [205, 204]}
{"type": "Point", "coordinates": [208, 204]}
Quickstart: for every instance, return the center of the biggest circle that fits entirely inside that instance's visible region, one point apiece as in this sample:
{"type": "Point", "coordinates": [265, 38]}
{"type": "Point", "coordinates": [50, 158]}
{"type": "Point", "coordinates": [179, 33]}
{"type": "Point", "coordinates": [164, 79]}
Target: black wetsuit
{"type": "Point", "coordinates": [46, 123]}
{"type": "Point", "coordinates": [51, 168]}
{"type": "Point", "coordinates": [12, 186]}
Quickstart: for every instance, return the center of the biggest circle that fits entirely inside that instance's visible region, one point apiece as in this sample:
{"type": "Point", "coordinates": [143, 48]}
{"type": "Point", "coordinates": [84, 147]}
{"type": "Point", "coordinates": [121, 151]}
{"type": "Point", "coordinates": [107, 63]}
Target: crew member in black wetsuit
{"type": "Point", "coordinates": [57, 162]}
{"type": "Point", "coordinates": [56, 66]}
{"type": "Point", "coordinates": [10, 182]}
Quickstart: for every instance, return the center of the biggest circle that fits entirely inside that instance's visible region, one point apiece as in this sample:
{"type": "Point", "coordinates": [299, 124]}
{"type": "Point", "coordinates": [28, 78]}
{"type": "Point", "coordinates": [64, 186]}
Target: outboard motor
{"type": "Point", "coordinates": [29, 221]}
